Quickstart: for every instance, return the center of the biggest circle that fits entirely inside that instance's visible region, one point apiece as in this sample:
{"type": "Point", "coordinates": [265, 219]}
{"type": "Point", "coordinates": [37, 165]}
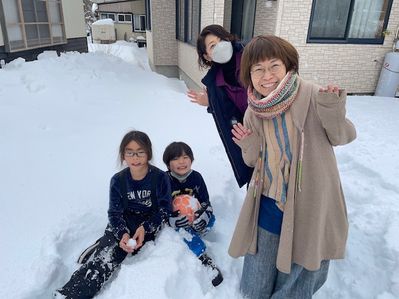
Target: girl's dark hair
{"type": "Point", "coordinates": [216, 30]}
{"type": "Point", "coordinates": [141, 138]}
{"type": "Point", "coordinates": [177, 149]}
{"type": "Point", "coordinates": [268, 47]}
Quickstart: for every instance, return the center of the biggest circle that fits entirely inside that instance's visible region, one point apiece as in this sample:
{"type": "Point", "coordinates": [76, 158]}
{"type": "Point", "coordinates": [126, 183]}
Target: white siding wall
{"type": "Point", "coordinates": [1, 37]}
{"type": "Point", "coordinates": [74, 18]}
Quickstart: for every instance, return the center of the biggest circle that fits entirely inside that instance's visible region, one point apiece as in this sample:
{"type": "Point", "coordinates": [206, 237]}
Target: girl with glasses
{"type": "Point", "coordinates": [140, 202]}
{"type": "Point", "coordinates": [294, 219]}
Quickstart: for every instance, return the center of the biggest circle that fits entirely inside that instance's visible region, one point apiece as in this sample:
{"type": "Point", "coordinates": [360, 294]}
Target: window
{"type": "Point", "coordinates": [139, 23]}
{"type": "Point", "coordinates": [32, 23]}
{"type": "Point", "coordinates": [106, 15]}
{"type": "Point", "coordinates": [124, 18]}
{"type": "Point", "coordinates": [148, 14]}
{"type": "Point", "coordinates": [243, 19]}
{"type": "Point", "coordinates": [349, 21]}
{"type": "Point", "coordinates": [188, 19]}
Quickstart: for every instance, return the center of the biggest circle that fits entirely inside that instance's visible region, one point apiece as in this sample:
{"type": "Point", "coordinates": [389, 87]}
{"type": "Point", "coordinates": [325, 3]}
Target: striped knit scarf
{"type": "Point", "coordinates": [278, 101]}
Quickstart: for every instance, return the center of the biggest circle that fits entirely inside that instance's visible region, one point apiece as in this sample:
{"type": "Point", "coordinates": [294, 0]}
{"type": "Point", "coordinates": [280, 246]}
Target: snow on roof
{"type": "Point", "coordinates": [104, 22]}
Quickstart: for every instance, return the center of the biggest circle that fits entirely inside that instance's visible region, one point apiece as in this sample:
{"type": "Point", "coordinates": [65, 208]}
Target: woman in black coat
{"type": "Point", "coordinates": [225, 97]}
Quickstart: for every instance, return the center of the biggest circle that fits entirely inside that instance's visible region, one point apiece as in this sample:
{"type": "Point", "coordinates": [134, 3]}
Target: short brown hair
{"type": "Point", "coordinates": [268, 47]}
{"type": "Point", "coordinates": [216, 30]}
{"type": "Point", "coordinates": [141, 138]}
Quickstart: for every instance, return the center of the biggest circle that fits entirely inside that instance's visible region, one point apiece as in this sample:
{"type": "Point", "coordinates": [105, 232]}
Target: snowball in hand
{"type": "Point", "coordinates": [132, 243]}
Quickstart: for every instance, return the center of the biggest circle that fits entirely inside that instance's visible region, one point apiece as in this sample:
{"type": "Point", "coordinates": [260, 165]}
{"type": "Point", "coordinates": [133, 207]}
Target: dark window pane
{"type": "Point", "coordinates": [243, 18]}
{"type": "Point", "coordinates": [148, 14]}
{"type": "Point", "coordinates": [121, 18]}
{"type": "Point", "coordinates": [31, 32]}
{"type": "Point", "coordinates": [44, 31]}
{"type": "Point", "coordinates": [330, 18]}
{"type": "Point", "coordinates": [28, 10]}
{"type": "Point", "coordinates": [41, 11]}
{"type": "Point", "coordinates": [248, 20]}
{"type": "Point", "coordinates": [142, 23]}
{"type": "Point", "coordinates": [180, 19]}
{"type": "Point", "coordinates": [128, 18]}
{"type": "Point", "coordinates": [195, 28]}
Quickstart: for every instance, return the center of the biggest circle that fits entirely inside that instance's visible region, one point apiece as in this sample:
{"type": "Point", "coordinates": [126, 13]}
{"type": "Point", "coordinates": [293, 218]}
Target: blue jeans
{"type": "Point", "coordinates": [261, 279]}
{"type": "Point", "coordinates": [194, 240]}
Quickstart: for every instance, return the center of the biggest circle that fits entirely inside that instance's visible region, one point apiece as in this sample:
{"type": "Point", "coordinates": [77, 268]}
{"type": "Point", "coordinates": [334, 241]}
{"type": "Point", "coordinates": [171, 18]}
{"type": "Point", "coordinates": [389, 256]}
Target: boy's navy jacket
{"type": "Point", "coordinates": [194, 185]}
{"type": "Point", "coordinates": [139, 201]}
{"type": "Point", "coordinates": [224, 112]}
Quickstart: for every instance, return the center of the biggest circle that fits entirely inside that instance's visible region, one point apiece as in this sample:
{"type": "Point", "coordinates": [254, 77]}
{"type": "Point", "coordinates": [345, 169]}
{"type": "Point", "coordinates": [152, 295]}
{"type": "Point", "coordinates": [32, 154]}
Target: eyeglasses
{"type": "Point", "coordinates": [131, 154]}
{"type": "Point", "coordinates": [259, 71]}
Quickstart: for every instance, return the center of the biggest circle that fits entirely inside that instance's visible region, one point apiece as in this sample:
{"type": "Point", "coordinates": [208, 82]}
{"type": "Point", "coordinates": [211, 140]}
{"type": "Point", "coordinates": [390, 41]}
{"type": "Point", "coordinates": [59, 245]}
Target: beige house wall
{"type": "Point", "coordinates": [352, 66]}
{"type": "Point", "coordinates": [212, 12]}
{"type": "Point", "coordinates": [228, 5]}
{"type": "Point", "coordinates": [355, 67]}
{"type": "Point", "coordinates": [188, 63]}
{"type": "Point", "coordinates": [136, 7]}
{"type": "Point", "coordinates": [163, 41]}
{"type": "Point", "coordinates": [124, 31]}
{"type": "Point", "coordinates": [74, 18]}
{"type": "Point", "coordinates": [265, 17]}
{"type": "Point", "coordinates": [150, 46]}
{"type": "Point", "coordinates": [1, 37]}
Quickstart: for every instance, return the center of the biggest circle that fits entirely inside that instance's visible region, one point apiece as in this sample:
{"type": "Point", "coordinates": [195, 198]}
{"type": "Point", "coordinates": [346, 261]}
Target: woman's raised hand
{"type": "Point", "coordinates": [239, 132]}
{"type": "Point", "coordinates": [198, 97]}
{"type": "Point", "coordinates": [330, 89]}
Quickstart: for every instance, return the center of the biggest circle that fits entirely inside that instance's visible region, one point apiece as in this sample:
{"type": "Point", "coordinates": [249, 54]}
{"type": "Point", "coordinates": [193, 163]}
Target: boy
{"type": "Point", "coordinates": [178, 157]}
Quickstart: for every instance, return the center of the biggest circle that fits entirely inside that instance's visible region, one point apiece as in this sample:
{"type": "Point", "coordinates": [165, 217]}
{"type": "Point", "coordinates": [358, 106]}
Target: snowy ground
{"type": "Point", "coordinates": [61, 121]}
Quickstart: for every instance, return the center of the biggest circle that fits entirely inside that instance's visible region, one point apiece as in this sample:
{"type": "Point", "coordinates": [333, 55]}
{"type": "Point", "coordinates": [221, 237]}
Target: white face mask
{"type": "Point", "coordinates": [222, 52]}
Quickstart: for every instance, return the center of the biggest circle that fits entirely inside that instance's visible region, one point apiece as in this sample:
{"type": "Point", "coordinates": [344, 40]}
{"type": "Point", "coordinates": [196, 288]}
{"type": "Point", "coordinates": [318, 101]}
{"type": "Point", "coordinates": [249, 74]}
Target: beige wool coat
{"type": "Point", "coordinates": [315, 225]}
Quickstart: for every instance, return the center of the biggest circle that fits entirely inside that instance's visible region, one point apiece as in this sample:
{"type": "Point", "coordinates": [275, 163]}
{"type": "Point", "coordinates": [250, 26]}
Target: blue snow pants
{"type": "Point", "coordinates": [194, 240]}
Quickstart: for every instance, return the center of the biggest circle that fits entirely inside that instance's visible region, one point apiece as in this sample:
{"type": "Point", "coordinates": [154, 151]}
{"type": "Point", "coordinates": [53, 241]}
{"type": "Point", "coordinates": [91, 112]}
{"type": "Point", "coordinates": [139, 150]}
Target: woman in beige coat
{"type": "Point", "coordinates": [293, 220]}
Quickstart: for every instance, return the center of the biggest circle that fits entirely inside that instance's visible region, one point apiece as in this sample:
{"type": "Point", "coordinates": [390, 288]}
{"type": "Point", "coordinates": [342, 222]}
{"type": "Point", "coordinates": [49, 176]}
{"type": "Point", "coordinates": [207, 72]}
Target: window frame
{"type": "Point", "coordinates": [124, 15]}
{"type": "Point", "coordinates": [346, 39]}
{"type": "Point", "coordinates": [107, 15]}
{"type": "Point", "coordinates": [184, 16]}
{"type": "Point", "coordinates": [148, 15]}
{"type": "Point", "coordinates": [238, 19]}
{"type": "Point", "coordinates": [21, 24]}
{"type": "Point", "coordinates": [142, 23]}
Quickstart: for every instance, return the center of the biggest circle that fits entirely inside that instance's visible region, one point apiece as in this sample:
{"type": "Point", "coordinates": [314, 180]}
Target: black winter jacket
{"type": "Point", "coordinates": [224, 112]}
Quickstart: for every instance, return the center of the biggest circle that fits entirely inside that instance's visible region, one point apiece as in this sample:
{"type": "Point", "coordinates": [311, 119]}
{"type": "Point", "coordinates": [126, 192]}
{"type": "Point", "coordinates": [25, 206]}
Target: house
{"type": "Point", "coordinates": [27, 28]}
{"type": "Point", "coordinates": [341, 41]}
{"type": "Point", "coordinates": [128, 16]}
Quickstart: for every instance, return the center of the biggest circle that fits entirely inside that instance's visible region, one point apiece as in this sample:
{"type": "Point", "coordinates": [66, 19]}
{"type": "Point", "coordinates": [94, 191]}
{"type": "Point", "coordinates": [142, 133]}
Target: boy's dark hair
{"type": "Point", "coordinates": [216, 30]}
{"type": "Point", "coordinates": [141, 138]}
{"type": "Point", "coordinates": [177, 149]}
